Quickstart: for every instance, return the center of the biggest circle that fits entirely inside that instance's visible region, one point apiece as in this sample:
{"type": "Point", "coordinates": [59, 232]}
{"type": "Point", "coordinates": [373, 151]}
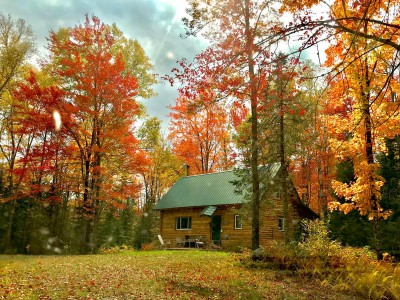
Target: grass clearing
{"type": "Point", "coordinates": [150, 275]}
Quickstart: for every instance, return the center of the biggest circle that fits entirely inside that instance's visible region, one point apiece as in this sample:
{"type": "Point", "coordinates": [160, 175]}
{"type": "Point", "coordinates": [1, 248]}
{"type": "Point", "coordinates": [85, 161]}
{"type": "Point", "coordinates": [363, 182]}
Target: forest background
{"type": "Point", "coordinates": [78, 173]}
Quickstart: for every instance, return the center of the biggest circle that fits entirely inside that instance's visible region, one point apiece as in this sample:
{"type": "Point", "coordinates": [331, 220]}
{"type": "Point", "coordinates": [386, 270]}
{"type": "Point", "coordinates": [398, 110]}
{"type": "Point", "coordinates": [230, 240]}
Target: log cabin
{"type": "Point", "coordinates": [209, 209]}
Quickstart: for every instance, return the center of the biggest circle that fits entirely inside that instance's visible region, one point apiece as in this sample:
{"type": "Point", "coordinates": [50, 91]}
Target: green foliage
{"type": "Point", "coordinates": [41, 228]}
{"type": "Point", "coordinates": [345, 171]}
{"type": "Point", "coordinates": [316, 241]}
{"type": "Point", "coordinates": [311, 255]}
{"type": "Point", "coordinates": [117, 226]}
{"type": "Point", "coordinates": [355, 230]}
{"type": "Point", "coordinates": [136, 61]}
{"type": "Point", "coordinates": [351, 229]}
{"type": "Point", "coordinates": [144, 229]}
{"type": "Point", "coordinates": [16, 47]}
{"type": "Point", "coordinates": [390, 170]}
{"type": "Point", "coordinates": [33, 229]}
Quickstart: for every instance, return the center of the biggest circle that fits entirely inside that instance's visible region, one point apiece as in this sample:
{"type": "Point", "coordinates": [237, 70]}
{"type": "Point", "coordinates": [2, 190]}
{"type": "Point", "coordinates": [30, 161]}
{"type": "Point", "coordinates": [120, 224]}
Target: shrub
{"type": "Point", "coordinates": [347, 269]}
{"type": "Point", "coordinates": [315, 241]}
{"type": "Point", "coordinates": [115, 249]}
{"type": "Point", "coordinates": [284, 257]}
{"type": "Point", "coordinates": [147, 247]}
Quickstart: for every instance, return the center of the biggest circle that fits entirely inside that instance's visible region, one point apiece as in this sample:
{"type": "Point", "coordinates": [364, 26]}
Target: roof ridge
{"type": "Point", "coordinates": [197, 175]}
{"type": "Point", "coordinates": [231, 170]}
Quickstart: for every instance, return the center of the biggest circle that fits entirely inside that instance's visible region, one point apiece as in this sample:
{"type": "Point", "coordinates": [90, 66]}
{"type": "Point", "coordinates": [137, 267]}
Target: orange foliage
{"type": "Point", "coordinates": [361, 109]}
{"type": "Point", "coordinates": [199, 134]}
{"type": "Point", "coordinates": [95, 148]}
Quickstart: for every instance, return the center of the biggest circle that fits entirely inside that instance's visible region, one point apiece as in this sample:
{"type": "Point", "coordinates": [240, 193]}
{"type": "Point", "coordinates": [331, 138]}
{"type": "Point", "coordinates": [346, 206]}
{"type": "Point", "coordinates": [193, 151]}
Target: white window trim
{"type": "Point", "coordinates": [180, 218]}
{"type": "Point", "coordinates": [283, 224]}
{"type": "Point", "coordinates": [236, 225]}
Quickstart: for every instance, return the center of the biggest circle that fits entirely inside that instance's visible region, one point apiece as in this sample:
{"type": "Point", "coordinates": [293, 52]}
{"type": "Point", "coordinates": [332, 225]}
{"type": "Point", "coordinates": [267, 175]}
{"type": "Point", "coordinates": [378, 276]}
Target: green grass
{"type": "Point", "coordinates": [150, 275]}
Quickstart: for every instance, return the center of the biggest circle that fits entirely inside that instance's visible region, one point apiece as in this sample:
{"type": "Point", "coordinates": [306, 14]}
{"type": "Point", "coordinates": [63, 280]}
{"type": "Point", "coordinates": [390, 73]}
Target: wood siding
{"type": "Point", "coordinates": [269, 224]}
{"type": "Point", "coordinates": [201, 226]}
{"type": "Point", "coordinates": [231, 238]}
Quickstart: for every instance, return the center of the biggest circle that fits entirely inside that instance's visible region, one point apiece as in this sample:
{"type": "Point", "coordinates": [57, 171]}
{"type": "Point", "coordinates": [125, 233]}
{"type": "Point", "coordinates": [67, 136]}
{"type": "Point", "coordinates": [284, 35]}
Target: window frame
{"type": "Point", "coordinates": [178, 221]}
{"type": "Point", "coordinates": [238, 222]}
{"type": "Point", "coordinates": [281, 224]}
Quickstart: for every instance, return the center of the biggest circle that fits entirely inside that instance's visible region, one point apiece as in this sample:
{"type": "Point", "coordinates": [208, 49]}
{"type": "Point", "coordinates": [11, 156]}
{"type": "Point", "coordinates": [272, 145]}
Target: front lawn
{"type": "Point", "coordinates": [150, 275]}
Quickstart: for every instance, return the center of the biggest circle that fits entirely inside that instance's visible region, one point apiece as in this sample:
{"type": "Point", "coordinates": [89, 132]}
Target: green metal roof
{"type": "Point", "coordinates": [204, 190]}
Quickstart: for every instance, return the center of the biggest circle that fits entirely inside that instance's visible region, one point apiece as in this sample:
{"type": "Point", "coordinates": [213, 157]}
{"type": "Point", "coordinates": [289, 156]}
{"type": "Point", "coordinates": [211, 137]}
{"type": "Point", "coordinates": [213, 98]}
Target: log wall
{"type": "Point", "coordinates": [231, 238]}
{"type": "Point", "coordinates": [201, 226]}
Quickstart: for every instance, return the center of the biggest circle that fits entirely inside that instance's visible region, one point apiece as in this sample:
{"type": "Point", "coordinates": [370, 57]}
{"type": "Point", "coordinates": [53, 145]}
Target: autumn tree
{"type": "Point", "coordinates": [16, 47]}
{"type": "Point", "coordinates": [363, 61]}
{"type": "Point", "coordinates": [353, 228]}
{"type": "Point", "coordinates": [342, 17]}
{"type": "Point", "coordinates": [309, 154]}
{"type": "Point", "coordinates": [314, 165]}
{"type": "Point", "coordinates": [41, 169]}
{"type": "Point", "coordinates": [285, 113]}
{"type": "Point", "coordinates": [101, 108]}
{"type": "Point", "coordinates": [364, 37]}
{"type": "Point", "coordinates": [363, 110]}
{"type": "Point", "coordinates": [159, 175]}
{"type": "Point", "coordinates": [233, 64]}
{"type": "Point", "coordinates": [164, 168]}
{"type": "Point", "coordinates": [200, 135]}
{"type": "Point", "coordinates": [66, 177]}
{"type": "Point", "coordinates": [137, 63]}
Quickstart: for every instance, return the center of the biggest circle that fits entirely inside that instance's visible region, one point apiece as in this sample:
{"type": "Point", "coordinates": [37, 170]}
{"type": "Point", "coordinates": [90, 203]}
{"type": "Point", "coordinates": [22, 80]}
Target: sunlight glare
{"type": "Point", "coordinates": [170, 55]}
{"type": "Point", "coordinates": [57, 120]}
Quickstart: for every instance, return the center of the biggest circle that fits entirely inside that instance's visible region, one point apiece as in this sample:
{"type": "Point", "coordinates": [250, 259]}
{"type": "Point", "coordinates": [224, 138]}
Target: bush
{"type": "Point", "coordinates": [368, 277]}
{"type": "Point", "coordinates": [348, 269]}
{"type": "Point", "coordinates": [315, 241]}
{"type": "Point", "coordinates": [115, 249]}
{"type": "Point", "coordinates": [147, 247]}
{"type": "Point", "coordinates": [278, 255]}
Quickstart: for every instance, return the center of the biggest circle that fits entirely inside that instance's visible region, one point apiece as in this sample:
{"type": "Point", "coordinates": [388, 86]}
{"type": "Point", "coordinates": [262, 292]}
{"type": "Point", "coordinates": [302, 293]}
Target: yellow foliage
{"type": "Point", "coordinates": [362, 103]}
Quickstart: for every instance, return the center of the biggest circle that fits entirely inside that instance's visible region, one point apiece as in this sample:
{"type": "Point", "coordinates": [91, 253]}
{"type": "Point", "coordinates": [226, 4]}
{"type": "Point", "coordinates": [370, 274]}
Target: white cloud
{"type": "Point", "coordinates": [58, 3]}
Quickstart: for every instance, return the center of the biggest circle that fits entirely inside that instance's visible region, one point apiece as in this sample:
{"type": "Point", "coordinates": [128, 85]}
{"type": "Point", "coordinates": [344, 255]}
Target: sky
{"type": "Point", "coordinates": [155, 24]}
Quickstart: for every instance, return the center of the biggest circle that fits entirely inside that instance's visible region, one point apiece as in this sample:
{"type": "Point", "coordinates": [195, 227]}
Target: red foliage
{"type": "Point", "coordinates": [95, 97]}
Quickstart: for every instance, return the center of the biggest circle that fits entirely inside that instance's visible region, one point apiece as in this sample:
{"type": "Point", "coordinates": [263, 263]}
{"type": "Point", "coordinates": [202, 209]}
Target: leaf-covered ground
{"type": "Point", "coordinates": [150, 275]}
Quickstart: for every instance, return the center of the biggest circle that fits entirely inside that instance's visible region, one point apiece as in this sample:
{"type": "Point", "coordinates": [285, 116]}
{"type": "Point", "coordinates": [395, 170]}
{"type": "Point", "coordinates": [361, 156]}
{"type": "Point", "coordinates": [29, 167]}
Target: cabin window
{"type": "Point", "coordinates": [183, 223]}
{"type": "Point", "coordinates": [238, 222]}
{"type": "Point", "coordinates": [281, 224]}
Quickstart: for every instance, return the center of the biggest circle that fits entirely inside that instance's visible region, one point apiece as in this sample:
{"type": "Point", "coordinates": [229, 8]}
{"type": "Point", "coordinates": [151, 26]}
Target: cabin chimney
{"type": "Point", "coordinates": [187, 170]}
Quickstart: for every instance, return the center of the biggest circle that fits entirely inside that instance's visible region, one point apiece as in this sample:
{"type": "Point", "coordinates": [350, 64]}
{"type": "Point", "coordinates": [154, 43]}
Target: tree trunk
{"type": "Point", "coordinates": [96, 203]}
{"type": "Point", "coordinates": [11, 189]}
{"type": "Point", "coordinates": [369, 151]}
{"type": "Point", "coordinates": [370, 159]}
{"type": "Point", "coordinates": [86, 211]}
{"type": "Point", "coordinates": [11, 208]}
{"type": "Point", "coordinates": [27, 231]}
{"type": "Point", "coordinates": [284, 175]}
{"type": "Point", "coordinates": [8, 234]}
{"type": "Point", "coordinates": [254, 133]}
